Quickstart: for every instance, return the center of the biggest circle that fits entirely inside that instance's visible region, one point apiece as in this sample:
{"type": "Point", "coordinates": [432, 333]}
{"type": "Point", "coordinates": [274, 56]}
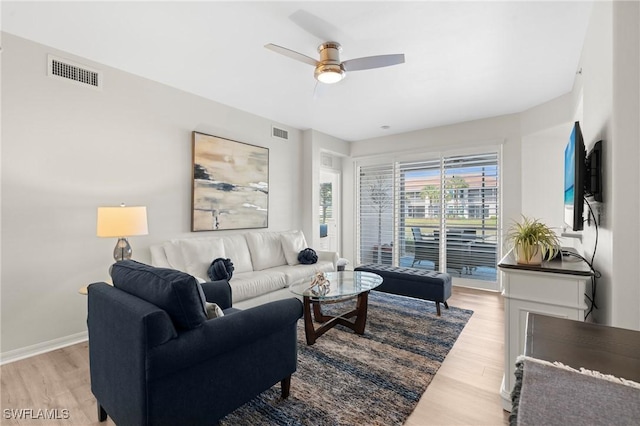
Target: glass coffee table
{"type": "Point", "coordinates": [343, 285]}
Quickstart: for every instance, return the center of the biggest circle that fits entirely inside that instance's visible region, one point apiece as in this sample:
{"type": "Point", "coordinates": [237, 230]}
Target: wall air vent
{"type": "Point", "coordinates": [279, 133]}
{"type": "Point", "coordinates": [326, 160]}
{"type": "Point", "coordinates": [70, 71]}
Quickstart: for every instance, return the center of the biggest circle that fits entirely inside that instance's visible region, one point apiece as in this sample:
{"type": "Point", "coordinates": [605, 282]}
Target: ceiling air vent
{"type": "Point", "coordinates": [279, 133]}
{"type": "Point", "coordinates": [70, 71]}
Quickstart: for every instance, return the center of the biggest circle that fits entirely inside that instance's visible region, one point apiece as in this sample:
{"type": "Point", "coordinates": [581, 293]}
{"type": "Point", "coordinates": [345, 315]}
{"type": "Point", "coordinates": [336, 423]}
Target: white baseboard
{"type": "Point", "coordinates": [40, 348]}
{"type": "Point", "coordinates": [477, 284]}
{"type": "Point", "coordinates": [505, 396]}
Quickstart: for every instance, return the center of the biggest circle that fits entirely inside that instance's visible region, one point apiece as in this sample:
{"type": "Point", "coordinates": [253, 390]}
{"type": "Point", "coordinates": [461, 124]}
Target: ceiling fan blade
{"type": "Point", "coordinates": [291, 54]}
{"type": "Point", "coordinates": [370, 62]}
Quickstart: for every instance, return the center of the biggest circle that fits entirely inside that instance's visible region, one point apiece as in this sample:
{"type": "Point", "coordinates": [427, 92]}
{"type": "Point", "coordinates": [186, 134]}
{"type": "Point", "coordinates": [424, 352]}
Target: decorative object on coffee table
{"type": "Point", "coordinates": [230, 184]}
{"type": "Point", "coordinates": [320, 285]}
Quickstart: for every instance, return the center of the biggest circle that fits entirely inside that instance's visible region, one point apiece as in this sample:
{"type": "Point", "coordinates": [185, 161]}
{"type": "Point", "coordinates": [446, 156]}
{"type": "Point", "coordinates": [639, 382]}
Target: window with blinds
{"type": "Point", "coordinates": [376, 214]}
{"type": "Point", "coordinates": [419, 214]}
{"type": "Point", "coordinates": [470, 216]}
{"type": "Point", "coordinates": [439, 214]}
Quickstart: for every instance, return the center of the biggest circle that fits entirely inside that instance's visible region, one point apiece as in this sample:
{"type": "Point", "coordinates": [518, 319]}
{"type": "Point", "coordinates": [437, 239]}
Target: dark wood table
{"type": "Point", "coordinates": [344, 285]}
{"type": "Point", "coordinates": [609, 350]}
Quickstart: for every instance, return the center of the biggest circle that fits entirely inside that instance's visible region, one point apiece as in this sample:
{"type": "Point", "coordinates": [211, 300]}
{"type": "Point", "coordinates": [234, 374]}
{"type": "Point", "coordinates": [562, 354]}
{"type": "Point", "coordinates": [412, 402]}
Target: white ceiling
{"type": "Point", "coordinates": [464, 60]}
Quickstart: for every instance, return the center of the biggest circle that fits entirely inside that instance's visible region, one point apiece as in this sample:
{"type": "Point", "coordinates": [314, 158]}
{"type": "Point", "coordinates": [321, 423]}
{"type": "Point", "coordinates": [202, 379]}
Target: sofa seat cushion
{"type": "Point", "coordinates": [198, 253]}
{"type": "Point", "coordinates": [251, 284]}
{"type": "Point", "coordinates": [177, 293]}
{"type": "Point", "coordinates": [266, 250]}
{"type": "Point", "coordinates": [300, 271]}
{"type": "Point", "coordinates": [236, 249]}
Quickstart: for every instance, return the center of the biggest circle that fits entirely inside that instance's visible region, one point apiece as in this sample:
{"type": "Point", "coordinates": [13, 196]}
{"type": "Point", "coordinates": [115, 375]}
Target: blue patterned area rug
{"type": "Point", "coordinates": [374, 379]}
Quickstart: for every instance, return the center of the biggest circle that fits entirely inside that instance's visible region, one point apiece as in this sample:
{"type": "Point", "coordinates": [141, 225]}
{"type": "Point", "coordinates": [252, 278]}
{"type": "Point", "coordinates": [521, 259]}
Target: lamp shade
{"type": "Point", "coordinates": [122, 221]}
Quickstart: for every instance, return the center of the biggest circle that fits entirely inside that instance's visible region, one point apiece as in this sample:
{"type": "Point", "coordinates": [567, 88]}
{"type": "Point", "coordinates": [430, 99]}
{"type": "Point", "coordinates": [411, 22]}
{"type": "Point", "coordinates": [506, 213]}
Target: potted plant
{"type": "Point", "coordinates": [532, 241]}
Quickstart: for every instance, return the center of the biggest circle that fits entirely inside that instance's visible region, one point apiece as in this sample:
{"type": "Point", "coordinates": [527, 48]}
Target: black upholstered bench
{"type": "Point", "coordinates": [412, 282]}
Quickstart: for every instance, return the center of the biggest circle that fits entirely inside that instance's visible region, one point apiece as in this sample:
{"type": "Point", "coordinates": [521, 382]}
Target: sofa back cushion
{"type": "Point", "coordinates": [173, 253]}
{"type": "Point", "coordinates": [292, 243]}
{"type": "Point", "coordinates": [177, 293]}
{"type": "Point", "coordinates": [198, 253]}
{"type": "Point", "coordinates": [266, 250]}
{"type": "Point", "coordinates": [236, 249]}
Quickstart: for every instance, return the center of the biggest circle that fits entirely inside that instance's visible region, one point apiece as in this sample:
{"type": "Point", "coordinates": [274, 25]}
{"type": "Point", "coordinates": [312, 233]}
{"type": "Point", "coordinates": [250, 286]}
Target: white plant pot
{"type": "Point", "coordinates": [535, 259]}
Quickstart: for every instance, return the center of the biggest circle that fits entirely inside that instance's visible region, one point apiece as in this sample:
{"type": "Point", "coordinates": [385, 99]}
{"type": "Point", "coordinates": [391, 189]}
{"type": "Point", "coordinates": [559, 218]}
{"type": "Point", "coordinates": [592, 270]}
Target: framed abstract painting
{"type": "Point", "coordinates": [230, 184]}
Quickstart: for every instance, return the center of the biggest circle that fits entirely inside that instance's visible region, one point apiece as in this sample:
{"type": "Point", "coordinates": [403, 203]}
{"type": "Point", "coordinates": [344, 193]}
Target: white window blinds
{"type": "Point", "coordinates": [419, 216]}
{"type": "Point", "coordinates": [405, 207]}
{"type": "Point", "coordinates": [470, 215]}
{"type": "Point", "coordinates": [376, 213]}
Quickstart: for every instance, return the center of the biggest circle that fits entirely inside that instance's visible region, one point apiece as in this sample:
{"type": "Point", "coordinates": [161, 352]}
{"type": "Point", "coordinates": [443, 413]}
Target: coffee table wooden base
{"type": "Point", "coordinates": [360, 314]}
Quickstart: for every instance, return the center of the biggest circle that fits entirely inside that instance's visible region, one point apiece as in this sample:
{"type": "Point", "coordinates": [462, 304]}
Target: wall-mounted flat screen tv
{"type": "Point", "coordinates": [574, 174]}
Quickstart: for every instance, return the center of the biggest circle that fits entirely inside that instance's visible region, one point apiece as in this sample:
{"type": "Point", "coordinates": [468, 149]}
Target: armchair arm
{"type": "Point", "coordinates": [218, 292]}
{"type": "Point", "coordinates": [224, 335]}
{"type": "Point", "coordinates": [330, 256]}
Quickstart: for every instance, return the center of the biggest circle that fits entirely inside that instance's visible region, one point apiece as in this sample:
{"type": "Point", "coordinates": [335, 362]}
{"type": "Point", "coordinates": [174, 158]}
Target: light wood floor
{"type": "Point", "coordinates": [465, 391]}
{"type": "Point", "coordinates": [466, 388]}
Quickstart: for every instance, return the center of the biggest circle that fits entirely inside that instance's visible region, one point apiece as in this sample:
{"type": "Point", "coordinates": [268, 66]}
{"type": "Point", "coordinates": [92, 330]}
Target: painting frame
{"type": "Point", "coordinates": [229, 184]}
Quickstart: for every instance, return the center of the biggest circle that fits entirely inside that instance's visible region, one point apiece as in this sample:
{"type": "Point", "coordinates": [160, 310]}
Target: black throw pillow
{"type": "Point", "coordinates": [307, 256]}
{"type": "Point", "coordinates": [220, 269]}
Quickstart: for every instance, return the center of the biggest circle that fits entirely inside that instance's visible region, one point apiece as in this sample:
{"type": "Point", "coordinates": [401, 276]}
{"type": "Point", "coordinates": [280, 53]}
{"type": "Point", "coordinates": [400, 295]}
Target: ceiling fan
{"type": "Point", "coordinates": [329, 69]}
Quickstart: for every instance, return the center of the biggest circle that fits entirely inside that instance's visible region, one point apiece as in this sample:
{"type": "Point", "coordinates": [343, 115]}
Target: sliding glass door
{"type": "Point", "coordinates": [438, 213]}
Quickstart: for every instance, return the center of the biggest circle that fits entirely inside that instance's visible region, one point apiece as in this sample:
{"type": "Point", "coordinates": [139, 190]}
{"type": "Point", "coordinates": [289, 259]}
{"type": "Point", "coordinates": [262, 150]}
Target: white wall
{"type": "Point", "coordinates": [596, 85]}
{"type": "Point", "coordinates": [68, 149]}
{"type": "Point", "coordinates": [545, 132]}
{"type": "Point", "coordinates": [542, 175]}
{"type": "Point", "coordinates": [624, 174]}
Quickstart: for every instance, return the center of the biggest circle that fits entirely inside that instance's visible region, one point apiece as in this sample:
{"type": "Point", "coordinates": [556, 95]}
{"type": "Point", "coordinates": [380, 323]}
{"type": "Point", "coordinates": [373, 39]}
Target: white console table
{"type": "Point", "coordinates": [555, 288]}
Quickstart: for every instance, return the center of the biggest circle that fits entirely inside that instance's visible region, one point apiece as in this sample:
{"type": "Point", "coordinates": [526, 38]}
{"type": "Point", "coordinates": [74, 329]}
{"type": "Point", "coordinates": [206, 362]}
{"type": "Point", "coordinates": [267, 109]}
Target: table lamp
{"type": "Point", "coordinates": [122, 222]}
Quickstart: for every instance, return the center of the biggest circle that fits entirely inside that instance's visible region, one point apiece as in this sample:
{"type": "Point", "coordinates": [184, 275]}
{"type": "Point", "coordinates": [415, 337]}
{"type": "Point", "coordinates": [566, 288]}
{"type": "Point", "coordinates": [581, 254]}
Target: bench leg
{"type": "Point", "coordinates": [438, 307]}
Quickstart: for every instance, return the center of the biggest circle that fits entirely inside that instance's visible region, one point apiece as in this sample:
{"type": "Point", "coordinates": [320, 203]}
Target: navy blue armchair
{"type": "Point", "coordinates": [169, 364]}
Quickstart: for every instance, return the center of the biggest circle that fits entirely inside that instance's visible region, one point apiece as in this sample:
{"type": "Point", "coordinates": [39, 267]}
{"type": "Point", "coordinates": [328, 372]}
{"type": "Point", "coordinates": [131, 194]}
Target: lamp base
{"type": "Point", "coordinates": [122, 251]}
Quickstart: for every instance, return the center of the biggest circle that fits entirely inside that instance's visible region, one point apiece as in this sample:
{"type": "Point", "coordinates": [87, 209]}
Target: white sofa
{"type": "Point", "coordinates": [266, 263]}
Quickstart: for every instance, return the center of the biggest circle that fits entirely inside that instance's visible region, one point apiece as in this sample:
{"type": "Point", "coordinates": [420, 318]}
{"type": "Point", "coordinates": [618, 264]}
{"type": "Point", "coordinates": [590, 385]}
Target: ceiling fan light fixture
{"type": "Point", "coordinates": [329, 73]}
{"type": "Point", "coordinates": [329, 69]}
